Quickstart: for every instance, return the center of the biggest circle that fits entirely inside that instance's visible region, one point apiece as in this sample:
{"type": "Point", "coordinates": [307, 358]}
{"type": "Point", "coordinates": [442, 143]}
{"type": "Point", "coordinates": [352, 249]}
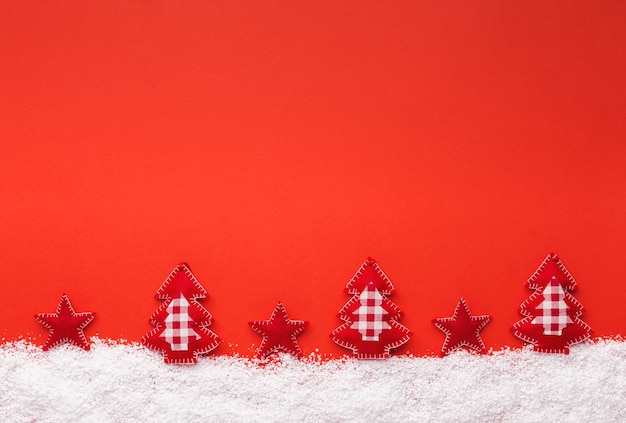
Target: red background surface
{"type": "Point", "coordinates": [275, 145]}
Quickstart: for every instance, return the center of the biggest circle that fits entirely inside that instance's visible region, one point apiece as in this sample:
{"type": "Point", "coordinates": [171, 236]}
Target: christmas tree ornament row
{"type": "Point", "coordinates": [370, 329]}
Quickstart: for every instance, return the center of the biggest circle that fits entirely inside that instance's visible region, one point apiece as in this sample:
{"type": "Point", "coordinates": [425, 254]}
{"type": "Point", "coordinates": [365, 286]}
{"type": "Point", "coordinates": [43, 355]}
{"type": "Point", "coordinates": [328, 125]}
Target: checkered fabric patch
{"type": "Point", "coordinates": [369, 316]}
{"type": "Point", "coordinates": [178, 332]}
{"type": "Point", "coordinates": [553, 310]}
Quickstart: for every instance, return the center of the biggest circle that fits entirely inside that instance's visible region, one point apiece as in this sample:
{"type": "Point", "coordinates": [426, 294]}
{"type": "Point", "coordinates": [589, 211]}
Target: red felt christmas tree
{"type": "Point", "coordinates": [181, 325]}
{"type": "Point", "coordinates": [551, 321]}
{"type": "Point", "coordinates": [371, 327]}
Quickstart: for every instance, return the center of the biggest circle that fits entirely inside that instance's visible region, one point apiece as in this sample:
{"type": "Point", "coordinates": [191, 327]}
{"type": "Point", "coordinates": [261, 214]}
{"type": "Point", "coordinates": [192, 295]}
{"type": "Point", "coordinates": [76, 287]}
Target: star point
{"type": "Point", "coordinates": [462, 330]}
{"type": "Point", "coordinates": [279, 333]}
{"type": "Point", "coordinates": [65, 326]}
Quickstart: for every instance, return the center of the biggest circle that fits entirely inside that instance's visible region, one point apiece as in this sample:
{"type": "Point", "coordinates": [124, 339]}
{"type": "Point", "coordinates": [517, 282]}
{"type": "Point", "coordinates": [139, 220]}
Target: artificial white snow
{"type": "Point", "coordinates": [128, 383]}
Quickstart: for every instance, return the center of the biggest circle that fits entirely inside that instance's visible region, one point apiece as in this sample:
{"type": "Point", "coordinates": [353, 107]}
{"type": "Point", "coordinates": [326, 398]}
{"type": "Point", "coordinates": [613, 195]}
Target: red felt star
{"type": "Point", "coordinates": [462, 329]}
{"type": "Point", "coordinates": [279, 333]}
{"type": "Point", "coordinates": [65, 325]}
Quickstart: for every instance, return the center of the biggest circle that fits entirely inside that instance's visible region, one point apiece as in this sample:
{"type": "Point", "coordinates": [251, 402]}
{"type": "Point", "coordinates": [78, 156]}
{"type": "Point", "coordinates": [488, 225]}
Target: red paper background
{"type": "Point", "coordinates": [275, 145]}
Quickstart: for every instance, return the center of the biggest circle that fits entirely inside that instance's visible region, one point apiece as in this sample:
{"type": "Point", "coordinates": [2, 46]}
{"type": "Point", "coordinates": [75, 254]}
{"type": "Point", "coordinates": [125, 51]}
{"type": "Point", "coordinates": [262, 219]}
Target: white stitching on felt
{"type": "Point", "coordinates": [392, 321]}
{"type": "Point", "coordinates": [453, 318]}
{"type": "Point", "coordinates": [184, 267]}
{"type": "Point", "coordinates": [281, 309]}
{"type": "Point", "coordinates": [158, 326]}
{"type": "Point", "coordinates": [552, 257]}
{"type": "Point", "coordinates": [537, 292]}
{"type": "Point", "coordinates": [389, 288]}
{"type": "Point", "coordinates": [81, 334]}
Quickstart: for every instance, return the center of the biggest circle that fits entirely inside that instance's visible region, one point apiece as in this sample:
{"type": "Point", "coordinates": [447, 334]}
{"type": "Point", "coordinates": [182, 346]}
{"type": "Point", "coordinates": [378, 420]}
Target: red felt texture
{"type": "Point", "coordinates": [462, 330]}
{"type": "Point", "coordinates": [371, 327]}
{"type": "Point", "coordinates": [369, 272]}
{"type": "Point", "coordinates": [279, 333]}
{"type": "Point", "coordinates": [181, 325]}
{"type": "Point", "coordinates": [65, 325]}
{"type": "Point", "coordinates": [551, 314]}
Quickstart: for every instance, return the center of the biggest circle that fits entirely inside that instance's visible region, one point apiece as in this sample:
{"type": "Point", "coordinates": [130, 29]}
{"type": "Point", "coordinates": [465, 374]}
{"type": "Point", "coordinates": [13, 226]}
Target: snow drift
{"type": "Point", "coordinates": [128, 383]}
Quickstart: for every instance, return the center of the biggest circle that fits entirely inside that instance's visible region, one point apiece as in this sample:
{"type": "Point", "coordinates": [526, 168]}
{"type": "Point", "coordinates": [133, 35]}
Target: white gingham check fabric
{"type": "Point", "coordinates": [553, 310]}
{"type": "Point", "coordinates": [369, 316]}
{"type": "Point", "coordinates": [178, 332]}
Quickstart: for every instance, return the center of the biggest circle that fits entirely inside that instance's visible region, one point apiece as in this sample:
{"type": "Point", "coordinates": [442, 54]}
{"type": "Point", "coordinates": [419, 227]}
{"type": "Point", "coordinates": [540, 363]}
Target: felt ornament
{"type": "Point", "coordinates": [551, 314]}
{"type": "Point", "coordinates": [462, 330]}
{"type": "Point", "coordinates": [65, 326]}
{"type": "Point", "coordinates": [371, 327]}
{"type": "Point", "coordinates": [279, 333]}
{"type": "Point", "coordinates": [181, 325]}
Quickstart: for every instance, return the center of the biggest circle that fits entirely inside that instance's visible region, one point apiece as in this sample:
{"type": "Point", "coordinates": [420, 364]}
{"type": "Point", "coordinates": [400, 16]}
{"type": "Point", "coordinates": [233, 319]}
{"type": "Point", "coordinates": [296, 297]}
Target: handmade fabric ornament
{"type": "Point", "coordinates": [462, 330]}
{"type": "Point", "coordinates": [65, 326]}
{"type": "Point", "coordinates": [551, 313]}
{"type": "Point", "coordinates": [371, 329]}
{"type": "Point", "coordinates": [279, 333]}
{"type": "Point", "coordinates": [181, 325]}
